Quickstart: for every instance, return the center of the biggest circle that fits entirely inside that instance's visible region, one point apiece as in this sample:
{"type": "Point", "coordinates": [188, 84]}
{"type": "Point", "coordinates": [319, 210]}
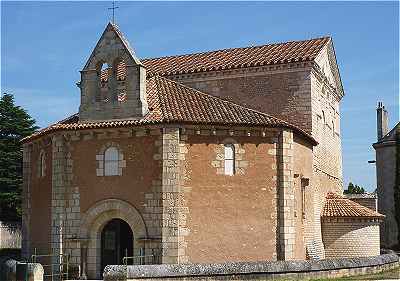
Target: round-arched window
{"type": "Point", "coordinates": [229, 151]}
{"type": "Point", "coordinates": [111, 161]}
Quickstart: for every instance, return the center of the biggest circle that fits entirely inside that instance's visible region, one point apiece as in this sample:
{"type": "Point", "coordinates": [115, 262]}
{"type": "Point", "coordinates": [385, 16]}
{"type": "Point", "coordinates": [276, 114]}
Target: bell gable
{"type": "Point", "coordinates": [113, 80]}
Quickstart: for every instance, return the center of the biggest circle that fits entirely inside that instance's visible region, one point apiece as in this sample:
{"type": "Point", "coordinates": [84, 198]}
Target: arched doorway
{"type": "Point", "coordinates": [116, 242]}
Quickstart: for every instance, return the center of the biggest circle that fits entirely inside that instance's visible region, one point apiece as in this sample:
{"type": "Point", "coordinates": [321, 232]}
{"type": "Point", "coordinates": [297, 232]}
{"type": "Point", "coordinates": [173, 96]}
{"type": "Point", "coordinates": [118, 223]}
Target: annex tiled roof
{"type": "Point", "coordinates": [172, 102]}
{"type": "Point", "coordinates": [269, 54]}
{"type": "Point", "coordinates": [338, 206]}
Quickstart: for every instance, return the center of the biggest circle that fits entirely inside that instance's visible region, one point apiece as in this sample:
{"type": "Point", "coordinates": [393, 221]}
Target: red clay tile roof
{"type": "Point", "coordinates": [269, 54]}
{"type": "Point", "coordinates": [338, 206]}
{"type": "Point", "coordinates": [172, 102]}
{"type": "Point", "coordinates": [278, 53]}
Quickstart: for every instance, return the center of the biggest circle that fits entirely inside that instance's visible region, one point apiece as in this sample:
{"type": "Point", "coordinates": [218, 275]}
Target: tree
{"type": "Point", "coordinates": [15, 124]}
{"type": "Point", "coordinates": [354, 189]}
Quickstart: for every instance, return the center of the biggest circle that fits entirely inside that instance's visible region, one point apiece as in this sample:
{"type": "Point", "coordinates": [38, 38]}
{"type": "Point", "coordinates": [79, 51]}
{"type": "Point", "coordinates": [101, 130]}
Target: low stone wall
{"type": "Point", "coordinates": [12, 270]}
{"type": "Point", "coordinates": [266, 270]}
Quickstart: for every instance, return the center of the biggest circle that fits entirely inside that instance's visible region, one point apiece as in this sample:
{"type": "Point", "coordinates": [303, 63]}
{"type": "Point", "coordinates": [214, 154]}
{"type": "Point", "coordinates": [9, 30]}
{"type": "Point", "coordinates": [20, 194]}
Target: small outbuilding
{"type": "Point", "coordinates": [349, 229]}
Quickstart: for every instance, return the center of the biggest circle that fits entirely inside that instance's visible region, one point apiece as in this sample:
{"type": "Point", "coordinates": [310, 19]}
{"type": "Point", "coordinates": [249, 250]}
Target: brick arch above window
{"type": "Point", "coordinates": [110, 160]}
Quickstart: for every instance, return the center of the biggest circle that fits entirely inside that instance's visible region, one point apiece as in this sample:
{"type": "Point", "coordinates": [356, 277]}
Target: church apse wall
{"type": "Point", "coordinates": [40, 193]}
{"type": "Point", "coordinates": [235, 214]}
{"type": "Point", "coordinates": [304, 189]}
{"type": "Point", "coordinates": [137, 172]}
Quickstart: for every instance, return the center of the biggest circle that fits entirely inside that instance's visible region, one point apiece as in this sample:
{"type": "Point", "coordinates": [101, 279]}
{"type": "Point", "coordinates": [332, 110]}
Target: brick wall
{"type": "Point", "coordinates": [350, 238]}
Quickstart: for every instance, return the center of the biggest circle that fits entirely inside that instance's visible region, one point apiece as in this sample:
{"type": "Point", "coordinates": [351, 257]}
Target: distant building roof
{"type": "Point", "coordinates": [362, 195]}
{"type": "Point", "coordinates": [339, 206]}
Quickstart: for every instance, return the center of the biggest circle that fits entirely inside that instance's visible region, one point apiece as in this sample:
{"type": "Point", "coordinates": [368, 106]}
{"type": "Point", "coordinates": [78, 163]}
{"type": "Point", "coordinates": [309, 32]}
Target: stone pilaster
{"type": "Point", "coordinates": [286, 196]}
{"type": "Point", "coordinates": [173, 230]}
{"type": "Point", "coordinates": [26, 204]}
{"type": "Point", "coordinates": [58, 202]}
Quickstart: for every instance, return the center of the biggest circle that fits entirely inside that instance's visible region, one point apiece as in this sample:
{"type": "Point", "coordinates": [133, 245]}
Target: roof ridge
{"type": "Point", "coordinates": [238, 48]}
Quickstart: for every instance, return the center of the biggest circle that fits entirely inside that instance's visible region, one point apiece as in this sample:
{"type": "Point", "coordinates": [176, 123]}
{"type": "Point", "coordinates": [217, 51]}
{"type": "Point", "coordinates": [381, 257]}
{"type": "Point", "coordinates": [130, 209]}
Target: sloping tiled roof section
{"type": "Point", "coordinates": [172, 102]}
{"type": "Point", "coordinates": [295, 51]}
{"type": "Point", "coordinates": [338, 206]}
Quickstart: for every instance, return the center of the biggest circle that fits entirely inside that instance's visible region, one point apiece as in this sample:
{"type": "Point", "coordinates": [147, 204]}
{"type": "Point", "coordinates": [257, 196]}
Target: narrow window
{"type": "Point", "coordinates": [120, 70]}
{"type": "Point", "coordinates": [323, 118]}
{"type": "Point", "coordinates": [120, 77]}
{"type": "Point", "coordinates": [333, 128]}
{"type": "Point", "coordinates": [103, 75]}
{"type": "Point", "coordinates": [42, 165]}
{"type": "Point", "coordinates": [229, 159]}
{"type": "Point", "coordinates": [111, 162]}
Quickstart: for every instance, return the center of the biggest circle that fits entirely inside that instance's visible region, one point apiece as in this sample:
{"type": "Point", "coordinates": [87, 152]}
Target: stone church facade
{"type": "Point", "coordinates": [219, 156]}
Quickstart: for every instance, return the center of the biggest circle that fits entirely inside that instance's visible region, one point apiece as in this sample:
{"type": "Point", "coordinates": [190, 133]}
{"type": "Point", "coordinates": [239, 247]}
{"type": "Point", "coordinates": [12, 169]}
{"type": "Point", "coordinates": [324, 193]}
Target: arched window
{"type": "Point", "coordinates": [120, 70]}
{"type": "Point", "coordinates": [111, 161]}
{"type": "Point", "coordinates": [120, 77]}
{"type": "Point", "coordinates": [229, 159]}
{"type": "Point", "coordinates": [103, 74]}
{"type": "Point", "coordinates": [42, 164]}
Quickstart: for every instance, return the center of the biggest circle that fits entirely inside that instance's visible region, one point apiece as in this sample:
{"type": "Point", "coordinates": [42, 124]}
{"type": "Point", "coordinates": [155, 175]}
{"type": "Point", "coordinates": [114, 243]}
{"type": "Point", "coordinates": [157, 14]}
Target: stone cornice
{"type": "Point", "coordinates": [384, 144]}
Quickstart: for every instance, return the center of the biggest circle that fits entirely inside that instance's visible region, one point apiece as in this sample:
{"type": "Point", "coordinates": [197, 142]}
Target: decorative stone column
{"type": "Point", "coordinates": [84, 250]}
{"type": "Point", "coordinates": [286, 220]}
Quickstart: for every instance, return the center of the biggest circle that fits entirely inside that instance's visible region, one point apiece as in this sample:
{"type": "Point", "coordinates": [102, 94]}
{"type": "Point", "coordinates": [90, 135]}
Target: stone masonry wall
{"type": "Point", "coordinates": [286, 219]}
{"type": "Point", "coordinates": [347, 238]}
{"type": "Point", "coordinates": [303, 189]}
{"type": "Point", "coordinates": [230, 217]}
{"type": "Point", "coordinates": [386, 180]}
{"type": "Point", "coordinates": [99, 105]}
{"type": "Point", "coordinates": [39, 201]}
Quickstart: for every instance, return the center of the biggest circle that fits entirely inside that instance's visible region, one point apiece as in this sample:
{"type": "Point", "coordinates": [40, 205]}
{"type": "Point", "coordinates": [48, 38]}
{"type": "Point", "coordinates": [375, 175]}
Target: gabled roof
{"type": "Point", "coordinates": [339, 206]}
{"type": "Point", "coordinates": [113, 27]}
{"type": "Point", "coordinates": [175, 103]}
{"type": "Point", "coordinates": [295, 51]}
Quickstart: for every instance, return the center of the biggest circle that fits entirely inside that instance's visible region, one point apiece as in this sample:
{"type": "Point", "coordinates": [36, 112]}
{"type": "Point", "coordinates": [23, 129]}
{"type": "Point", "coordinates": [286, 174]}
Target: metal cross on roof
{"type": "Point", "coordinates": [113, 9]}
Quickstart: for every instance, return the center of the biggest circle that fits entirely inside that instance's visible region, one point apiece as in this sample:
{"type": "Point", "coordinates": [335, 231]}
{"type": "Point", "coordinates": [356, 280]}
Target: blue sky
{"type": "Point", "coordinates": [45, 44]}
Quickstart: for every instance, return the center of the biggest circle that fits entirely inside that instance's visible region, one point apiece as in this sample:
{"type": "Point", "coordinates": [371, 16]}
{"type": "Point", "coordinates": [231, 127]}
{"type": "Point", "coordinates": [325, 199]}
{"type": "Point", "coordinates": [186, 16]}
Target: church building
{"type": "Point", "coordinates": [227, 155]}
